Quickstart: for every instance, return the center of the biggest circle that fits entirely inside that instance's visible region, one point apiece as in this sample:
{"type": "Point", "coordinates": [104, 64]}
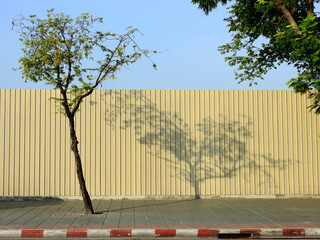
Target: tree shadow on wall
{"type": "Point", "coordinates": [211, 148]}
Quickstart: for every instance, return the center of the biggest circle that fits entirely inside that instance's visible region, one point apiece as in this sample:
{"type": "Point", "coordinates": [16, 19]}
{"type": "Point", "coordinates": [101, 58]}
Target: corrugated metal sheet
{"type": "Point", "coordinates": [161, 142]}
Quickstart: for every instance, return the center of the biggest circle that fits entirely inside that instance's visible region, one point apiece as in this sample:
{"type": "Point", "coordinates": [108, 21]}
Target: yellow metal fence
{"type": "Point", "coordinates": [161, 143]}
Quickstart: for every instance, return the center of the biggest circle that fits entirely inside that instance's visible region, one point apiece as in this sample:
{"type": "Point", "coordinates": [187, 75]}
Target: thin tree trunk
{"type": "Point", "coordinates": [82, 182]}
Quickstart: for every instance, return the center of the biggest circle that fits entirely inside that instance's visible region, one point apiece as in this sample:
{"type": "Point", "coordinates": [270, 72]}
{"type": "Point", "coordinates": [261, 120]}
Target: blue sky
{"type": "Point", "coordinates": [187, 36]}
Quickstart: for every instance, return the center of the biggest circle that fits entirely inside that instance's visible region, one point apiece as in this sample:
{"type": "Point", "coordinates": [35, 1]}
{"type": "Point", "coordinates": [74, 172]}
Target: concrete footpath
{"type": "Point", "coordinates": [217, 218]}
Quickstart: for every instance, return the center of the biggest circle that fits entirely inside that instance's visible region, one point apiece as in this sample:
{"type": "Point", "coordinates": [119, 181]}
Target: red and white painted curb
{"type": "Point", "coordinates": [110, 233]}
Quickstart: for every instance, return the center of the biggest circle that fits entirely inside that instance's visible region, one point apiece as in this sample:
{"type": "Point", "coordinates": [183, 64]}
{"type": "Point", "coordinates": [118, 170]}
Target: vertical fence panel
{"type": "Point", "coordinates": [22, 145]}
{"type": "Point", "coordinates": [11, 143]}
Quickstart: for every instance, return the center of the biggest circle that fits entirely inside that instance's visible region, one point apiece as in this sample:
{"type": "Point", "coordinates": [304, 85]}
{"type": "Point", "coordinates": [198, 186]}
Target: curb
{"type": "Point", "coordinates": [110, 233]}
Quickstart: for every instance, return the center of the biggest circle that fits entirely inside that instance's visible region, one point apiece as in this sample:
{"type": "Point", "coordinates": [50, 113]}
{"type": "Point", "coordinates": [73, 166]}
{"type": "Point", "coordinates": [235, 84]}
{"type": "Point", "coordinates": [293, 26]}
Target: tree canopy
{"type": "Point", "coordinates": [60, 51]}
{"type": "Point", "coordinates": [267, 33]}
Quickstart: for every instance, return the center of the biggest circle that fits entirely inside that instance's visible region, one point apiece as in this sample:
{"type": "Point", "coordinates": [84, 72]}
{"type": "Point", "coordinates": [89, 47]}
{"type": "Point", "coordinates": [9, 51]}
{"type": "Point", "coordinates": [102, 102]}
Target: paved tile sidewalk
{"type": "Point", "coordinates": [162, 214]}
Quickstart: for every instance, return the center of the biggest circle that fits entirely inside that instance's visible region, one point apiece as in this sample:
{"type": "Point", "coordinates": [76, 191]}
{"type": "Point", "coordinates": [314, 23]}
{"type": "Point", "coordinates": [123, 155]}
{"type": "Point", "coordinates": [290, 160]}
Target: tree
{"type": "Point", "coordinates": [290, 33]}
{"type": "Point", "coordinates": [59, 50]}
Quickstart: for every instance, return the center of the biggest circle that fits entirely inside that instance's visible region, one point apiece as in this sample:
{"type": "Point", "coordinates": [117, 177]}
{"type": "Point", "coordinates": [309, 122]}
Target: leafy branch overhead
{"type": "Point", "coordinates": [267, 33]}
{"type": "Point", "coordinates": [59, 50]}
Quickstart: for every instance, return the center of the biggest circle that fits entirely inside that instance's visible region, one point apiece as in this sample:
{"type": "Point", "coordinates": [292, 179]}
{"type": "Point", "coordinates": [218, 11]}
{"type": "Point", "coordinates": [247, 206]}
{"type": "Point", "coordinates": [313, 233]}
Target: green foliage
{"type": "Point", "coordinates": [59, 50]}
{"type": "Point", "coordinates": [208, 5]}
{"type": "Point", "coordinates": [267, 33]}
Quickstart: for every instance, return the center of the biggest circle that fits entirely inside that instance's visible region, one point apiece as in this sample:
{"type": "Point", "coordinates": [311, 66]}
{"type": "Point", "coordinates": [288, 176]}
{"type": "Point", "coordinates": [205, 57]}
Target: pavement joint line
{"type": "Point", "coordinates": [169, 232]}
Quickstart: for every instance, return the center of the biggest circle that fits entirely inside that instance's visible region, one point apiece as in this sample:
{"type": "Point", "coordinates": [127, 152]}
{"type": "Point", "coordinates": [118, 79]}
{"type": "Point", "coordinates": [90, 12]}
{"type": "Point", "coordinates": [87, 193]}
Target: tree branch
{"type": "Point", "coordinates": [63, 93]}
{"type": "Point", "coordinates": [107, 64]}
{"type": "Point", "coordinates": [98, 80]}
{"type": "Point", "coordinates": [310, 7]}
{"type": "Point", "coordinates": [69, 58]}
{"type": "Point", "coordinates": [76, 107]}
{"type": "Point", "coordinates": [146, 55]}
{"type": "Point", "coordinates": [69, 73]}
{"type": "Point", "coordinates": [288, 15]}
{"type": "Point", "coordinates": [261, 20]}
